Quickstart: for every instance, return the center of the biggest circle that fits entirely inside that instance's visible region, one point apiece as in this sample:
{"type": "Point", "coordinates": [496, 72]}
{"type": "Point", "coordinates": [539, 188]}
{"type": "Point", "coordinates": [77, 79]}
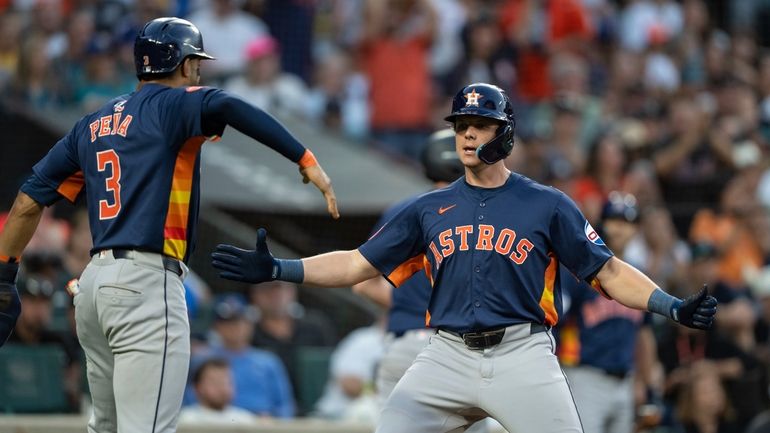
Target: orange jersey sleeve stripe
{"type": "Point", "coordinates": [406, 270]}
{"type": "Point", "coordinates": [72, 186]}
{"type": "Point", "coordinates": [307, 160]}
{"type": "Point", "coordinates": [177, 216]}
{"type": "Point", "coordinates": [175, 248]}
{"type": "Point", "coordinates": [546, 299]}
{"type": "Point", "coordinates": [174, 233]}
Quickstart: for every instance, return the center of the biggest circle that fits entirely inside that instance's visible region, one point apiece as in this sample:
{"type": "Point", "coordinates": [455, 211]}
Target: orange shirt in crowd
{"type": "Point", "coordinates": [736, 244]}
{"type": "Point", "coordinates": [565, 18]}
{"type": "Point", "coordinates": [399, 77]}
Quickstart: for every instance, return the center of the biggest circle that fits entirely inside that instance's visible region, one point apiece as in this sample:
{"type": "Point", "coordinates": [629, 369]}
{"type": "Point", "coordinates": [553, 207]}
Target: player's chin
{"type": "Point", "coordinates": [470, 160]}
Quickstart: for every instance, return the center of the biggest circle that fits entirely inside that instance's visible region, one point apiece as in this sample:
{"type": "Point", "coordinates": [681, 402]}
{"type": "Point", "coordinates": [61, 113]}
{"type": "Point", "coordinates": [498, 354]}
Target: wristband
{"type": "Point", "coordinates": [664, 304]}
{"type": "Point", "coordinates": [8, 259]}
{"type": "Point", "coordinates": [8, 271]}
{"type": "Point", "coordinates": [307, 160]}
{"type": "Point", "coordinates": [291, 270]}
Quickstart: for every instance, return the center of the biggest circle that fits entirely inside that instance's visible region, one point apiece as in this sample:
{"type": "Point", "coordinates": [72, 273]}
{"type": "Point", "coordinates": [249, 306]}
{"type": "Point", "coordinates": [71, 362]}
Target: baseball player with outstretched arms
{"type": "Point", "coordinates": [491, 243]}
{"type": "Point", "coordinates": [137, 161]}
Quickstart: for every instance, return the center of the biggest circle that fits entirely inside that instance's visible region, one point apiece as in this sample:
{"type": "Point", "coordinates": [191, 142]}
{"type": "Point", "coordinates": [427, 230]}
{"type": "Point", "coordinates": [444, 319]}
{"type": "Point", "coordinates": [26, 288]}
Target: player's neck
{"type": "Point", "coordinates": [487, 176]}
{"type": "Point", "coordinates": [173, 81]}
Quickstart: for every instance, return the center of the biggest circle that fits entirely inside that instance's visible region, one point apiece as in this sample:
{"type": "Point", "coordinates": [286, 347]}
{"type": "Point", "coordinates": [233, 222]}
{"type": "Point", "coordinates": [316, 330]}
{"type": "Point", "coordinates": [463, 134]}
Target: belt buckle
{"type": "Point", "coordinates": [102, 254]}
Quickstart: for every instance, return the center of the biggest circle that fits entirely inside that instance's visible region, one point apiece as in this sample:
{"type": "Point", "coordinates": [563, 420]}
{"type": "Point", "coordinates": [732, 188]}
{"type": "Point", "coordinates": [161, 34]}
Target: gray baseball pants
{"type": "Point", "coordinates": [518, 382]}
{"type": "Point", "coordinates": [605, 403]}
{"type": "Point", "coordinates": [131, 319]}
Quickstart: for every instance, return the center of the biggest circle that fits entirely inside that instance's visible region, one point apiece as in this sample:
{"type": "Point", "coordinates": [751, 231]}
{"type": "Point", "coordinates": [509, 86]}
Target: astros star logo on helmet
{"type": "Point", "coordinates": [472, 98]}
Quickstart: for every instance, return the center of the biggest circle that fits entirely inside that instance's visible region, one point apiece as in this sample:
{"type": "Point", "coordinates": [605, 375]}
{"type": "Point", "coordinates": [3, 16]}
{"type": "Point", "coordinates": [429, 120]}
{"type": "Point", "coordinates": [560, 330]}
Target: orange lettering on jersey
{"type": "Point", "coordinates": [447, 244]}
{"type": "Point", "coordinates": [522, 251]}
{"type": "Point", "coordinates": [486, 233]}
{"type": "Point", "coordinates": [115, 122]}
{"type": "Point", "coordinates": [94, 127]}
{"type": "Point", "coordinates": [463, 231]}
{"type": "Point", "coordinates": [105, 128]}
{"type": "Point", "coordinates": [505, 241]}
{"type": "Point", "coordinates": [123, 128]}
{"type": "Point", "coordinates": [436, 254]}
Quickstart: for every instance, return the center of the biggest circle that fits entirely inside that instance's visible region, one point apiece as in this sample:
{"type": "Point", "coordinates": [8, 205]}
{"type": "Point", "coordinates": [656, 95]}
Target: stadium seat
{"type": "Point", "coordinates": [312, 373]}
{"type": "Point", "coordinates": [32, 379]}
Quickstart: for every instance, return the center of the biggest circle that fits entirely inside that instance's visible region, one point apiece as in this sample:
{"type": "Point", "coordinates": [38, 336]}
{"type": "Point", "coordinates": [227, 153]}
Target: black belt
{"type": "Point", "coordinates": [617, 374]}
{"type": "Point", "coordinates": [486, 339]}
{"type": "Point", "coordinates": [170, 264]}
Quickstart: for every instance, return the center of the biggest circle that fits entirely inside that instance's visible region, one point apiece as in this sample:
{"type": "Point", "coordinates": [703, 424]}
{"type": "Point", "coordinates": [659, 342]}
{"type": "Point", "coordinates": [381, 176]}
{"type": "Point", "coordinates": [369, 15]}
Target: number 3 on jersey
{"type": "Point", "coordinates": [112, 183]}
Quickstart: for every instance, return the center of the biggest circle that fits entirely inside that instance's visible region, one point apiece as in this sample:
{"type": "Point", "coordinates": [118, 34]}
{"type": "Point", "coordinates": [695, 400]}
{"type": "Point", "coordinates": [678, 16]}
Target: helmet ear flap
{"type": "Point", "coordinates": [499, 147]}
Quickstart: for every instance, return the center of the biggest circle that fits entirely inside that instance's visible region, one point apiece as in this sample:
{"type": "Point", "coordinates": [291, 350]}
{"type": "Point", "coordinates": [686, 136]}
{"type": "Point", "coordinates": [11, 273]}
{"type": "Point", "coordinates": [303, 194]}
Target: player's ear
{"type": "Point", "coordinates": [186, 68]}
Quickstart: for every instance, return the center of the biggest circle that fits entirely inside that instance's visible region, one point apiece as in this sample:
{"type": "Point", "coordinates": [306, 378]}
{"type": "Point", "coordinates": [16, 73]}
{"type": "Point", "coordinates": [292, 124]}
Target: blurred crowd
{"type": "Point", "coordinates": [666, 100]}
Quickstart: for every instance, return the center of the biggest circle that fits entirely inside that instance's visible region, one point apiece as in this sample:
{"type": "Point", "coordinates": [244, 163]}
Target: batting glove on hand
{"type": "Point", "coordinates": [697, 310]}
{"type": "Point", "coordinates": [10, 304]}
{"type": "Point", "coordinates": [250, 266]}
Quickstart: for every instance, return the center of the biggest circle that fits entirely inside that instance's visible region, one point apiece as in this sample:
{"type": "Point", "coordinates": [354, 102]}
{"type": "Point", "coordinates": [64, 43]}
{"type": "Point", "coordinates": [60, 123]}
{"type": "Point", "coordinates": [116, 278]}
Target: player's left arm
{"type": "Point", "coordinates": [632, 288]}
{"type": "Point", "coordinates": [222, 108]}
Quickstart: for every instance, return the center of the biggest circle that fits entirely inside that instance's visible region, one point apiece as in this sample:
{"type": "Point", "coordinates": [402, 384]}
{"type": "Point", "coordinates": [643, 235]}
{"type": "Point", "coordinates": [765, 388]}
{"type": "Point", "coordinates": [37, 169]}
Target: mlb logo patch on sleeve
{"type": "Point", "coordinates": [592, 235]}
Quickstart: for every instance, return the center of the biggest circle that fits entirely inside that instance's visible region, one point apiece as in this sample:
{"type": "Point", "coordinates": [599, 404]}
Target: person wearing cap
{"type": "Point", "coordinates": [214, 389]}
{"type": "Point", "coordinates": [33, 328]}
{"type": "Point", "coordinates": [264, 84]}
{"type": "Point", "coordinates": [608, 350]}
{"type": "Point", "coordinates": [261, 383]}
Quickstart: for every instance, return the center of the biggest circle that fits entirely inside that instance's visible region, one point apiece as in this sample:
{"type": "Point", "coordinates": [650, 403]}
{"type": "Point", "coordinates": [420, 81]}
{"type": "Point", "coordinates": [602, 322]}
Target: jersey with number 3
{"type": "Point", "coordinates": [491, 254]}
{"type": "Point", "coordinates": [137, 161]}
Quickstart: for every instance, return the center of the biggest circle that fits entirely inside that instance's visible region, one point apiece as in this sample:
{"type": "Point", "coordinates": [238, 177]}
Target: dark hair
{"type": "Point", "coordinates": [209, 363]}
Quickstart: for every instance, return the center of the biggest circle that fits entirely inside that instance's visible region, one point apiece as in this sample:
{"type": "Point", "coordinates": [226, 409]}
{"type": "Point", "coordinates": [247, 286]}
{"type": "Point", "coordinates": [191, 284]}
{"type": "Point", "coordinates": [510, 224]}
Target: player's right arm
{"type": "Point", "coordinates": [335, 269]}
{"type": "Point", "coordinates": [54, 176]}
{"type": "Point", "coordinates": [395, 251]}
{"type": "Point", "coordinates": [222, 108]}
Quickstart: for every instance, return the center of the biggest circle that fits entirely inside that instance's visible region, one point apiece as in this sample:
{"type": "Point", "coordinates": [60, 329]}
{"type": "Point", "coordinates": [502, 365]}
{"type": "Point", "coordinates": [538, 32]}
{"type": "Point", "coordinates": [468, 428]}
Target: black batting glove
{"type": "Point", "coordinates": [697, 310]}
{"type": "Point", "coordinates": [249, 266]}
{"type": "Point", "coordinates": [10, 303]}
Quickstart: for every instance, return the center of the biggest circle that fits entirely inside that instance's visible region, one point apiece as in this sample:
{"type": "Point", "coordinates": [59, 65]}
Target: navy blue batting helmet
{"type": "Point", "coordinates": [164, 43]}
{"type": "Point", "coordinates": [487, 100]}
{"type": "Point", "coordinates": [439, 158]}
{"type": "Point", "coordinates": [620, 206]}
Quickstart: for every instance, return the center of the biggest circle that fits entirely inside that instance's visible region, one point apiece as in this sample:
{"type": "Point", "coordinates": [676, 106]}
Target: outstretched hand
{"type": "Point", "coordinates": [697, 310]}
{"type": "Point", "coordinates": [318, 176]}
{"type": "Point", "coordinates": [249, 266]}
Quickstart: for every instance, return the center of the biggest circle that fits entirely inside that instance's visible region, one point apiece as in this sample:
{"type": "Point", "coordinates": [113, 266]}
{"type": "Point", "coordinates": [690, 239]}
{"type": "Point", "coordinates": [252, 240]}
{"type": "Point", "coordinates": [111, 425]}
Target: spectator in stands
{"type": "Point", "coordinates": [70, 65]}
{"type": "Point", "coordinates": [264, 84]}
{"type": "Point", "coordinates": [214, 390]}
{"type": "Point", "coordinates": [338, 98]}
{"type": "Point", "coordinates": [292, 24]}
{"type": "Point", "coordinates": [539, 30]}
{"type": "Point", "coordinates": [284, 326]}
{"type": "Point", "coordinates": [485, 59]}
{"type": "Point", "coordinates": [104, 79]}
{"type": "Point", "coordinates": [659, 251]}
{"type": "Point", "coordinates": [349, 391]}
{"type": "Point", "coordinates": [703, 406]}
{"type": "Point", "coordinates": [36, 288]}
{"type": "Point", "coordinates": [10, 41]}
{"type": "Point", "coordinates": [78, 248]}
{"type": "Point", "coordinates": [228, 31]}
{"type": "Point", "coordinates": [399, 33]}
{"type": "Point", "coordinates": [32, 84]}
{"type": "Point", "coordinates": [261, 383]}
{"type": "Point", "coordinates": [604, 172]}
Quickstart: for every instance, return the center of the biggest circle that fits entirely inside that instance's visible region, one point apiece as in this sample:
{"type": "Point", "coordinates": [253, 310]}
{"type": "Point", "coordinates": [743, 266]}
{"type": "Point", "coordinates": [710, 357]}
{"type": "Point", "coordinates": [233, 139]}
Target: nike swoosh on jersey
{"type": "Point", "coordinates": [444, 209]}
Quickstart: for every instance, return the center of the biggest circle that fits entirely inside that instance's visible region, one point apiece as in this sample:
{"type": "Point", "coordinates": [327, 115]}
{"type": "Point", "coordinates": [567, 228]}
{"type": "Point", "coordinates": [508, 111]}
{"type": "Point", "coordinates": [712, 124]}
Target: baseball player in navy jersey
{"type": "Point", "coordinates": [137, 162]}
{"type": "Point", "coordinates": [606, 347]}
{"type": "Point", "coordinates": [491, 244]}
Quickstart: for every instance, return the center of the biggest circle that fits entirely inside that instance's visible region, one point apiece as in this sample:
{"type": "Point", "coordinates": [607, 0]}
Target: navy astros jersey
{"type": "Point", "coordinates": [410, 302]}
{"type": "Point", "coordinates": [147, 163]}
{"type": "Point", "coordinates": [598, 331]}
{"type": "Point", "coordinates": [492, 254]}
